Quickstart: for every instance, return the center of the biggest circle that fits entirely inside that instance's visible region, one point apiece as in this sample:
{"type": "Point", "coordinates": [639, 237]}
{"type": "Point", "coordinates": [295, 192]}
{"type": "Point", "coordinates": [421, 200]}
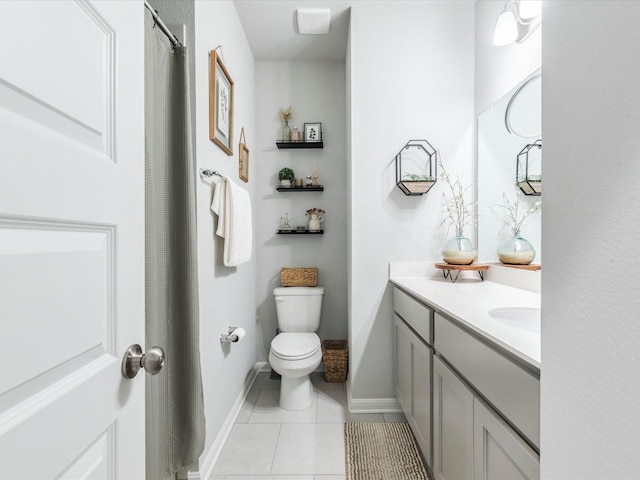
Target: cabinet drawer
{"type": "Point", "coordinates": [512, 389]}
{"type": "Point", "coordinates": [418, 316]}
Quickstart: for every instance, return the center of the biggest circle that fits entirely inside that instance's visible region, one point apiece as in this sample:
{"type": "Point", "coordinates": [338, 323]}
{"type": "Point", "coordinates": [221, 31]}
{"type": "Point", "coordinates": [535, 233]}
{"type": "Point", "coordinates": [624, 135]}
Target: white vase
{"type": "Point", "coordinates": [314, 222]}
{"type": "Point", "coordinates": [285, 183]}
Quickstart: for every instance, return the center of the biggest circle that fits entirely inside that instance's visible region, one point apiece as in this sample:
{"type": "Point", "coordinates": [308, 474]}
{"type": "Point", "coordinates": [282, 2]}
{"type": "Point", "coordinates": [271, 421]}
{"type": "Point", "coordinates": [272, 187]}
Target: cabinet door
{"type": "Point", "coordinates": [499, 453]}
{"type": "Point", "coordinates": [402, 370]}
{"type": "Point", "coordinates": [513, 390]}
{"type": "Point", "coordinates": [420, 419]}
{"type": "Point", "coordinates": [453, 425]}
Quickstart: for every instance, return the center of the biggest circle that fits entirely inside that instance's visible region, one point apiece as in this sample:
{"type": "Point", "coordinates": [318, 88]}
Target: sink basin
{"type": "Point", "coordinates": [522, 318]}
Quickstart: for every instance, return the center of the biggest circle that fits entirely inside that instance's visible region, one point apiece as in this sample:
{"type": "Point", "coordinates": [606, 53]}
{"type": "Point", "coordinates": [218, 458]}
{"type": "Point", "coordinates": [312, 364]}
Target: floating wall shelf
{"type": "Point", "coordinates": [313, 188]}
{"type": "Point", "coordinates": [282, 145]}
{"type": "Point", "coordinates": [300, 232]}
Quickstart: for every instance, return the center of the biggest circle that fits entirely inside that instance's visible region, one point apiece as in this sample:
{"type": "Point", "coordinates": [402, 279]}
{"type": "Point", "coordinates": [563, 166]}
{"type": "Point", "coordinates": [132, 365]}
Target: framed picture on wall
{"type": "Point", "coordinates": [220, 104]}
{"type": "Point", "coordinates": [312, 132]}
{"type": "Point", "coordinates": [243, 158]}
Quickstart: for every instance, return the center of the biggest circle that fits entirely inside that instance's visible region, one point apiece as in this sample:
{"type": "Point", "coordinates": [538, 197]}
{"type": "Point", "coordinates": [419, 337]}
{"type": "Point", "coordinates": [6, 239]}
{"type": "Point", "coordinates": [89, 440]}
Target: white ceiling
{"type": "Point", "coordinates": [271, 29]}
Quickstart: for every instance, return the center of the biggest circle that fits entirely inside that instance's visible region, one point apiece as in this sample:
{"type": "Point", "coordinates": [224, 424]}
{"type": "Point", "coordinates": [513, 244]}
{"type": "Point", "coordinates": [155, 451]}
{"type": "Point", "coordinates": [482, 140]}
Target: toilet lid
{"type": "Point", "coordinates": [290, 346]}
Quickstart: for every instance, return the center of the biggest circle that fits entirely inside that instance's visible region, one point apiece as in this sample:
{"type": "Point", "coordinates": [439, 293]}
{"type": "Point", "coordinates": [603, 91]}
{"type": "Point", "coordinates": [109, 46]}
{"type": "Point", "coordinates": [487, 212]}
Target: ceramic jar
{"type": "Point", "coordinates": [296, 135]}
{"type": "Point", "coordinates": [314, 222]}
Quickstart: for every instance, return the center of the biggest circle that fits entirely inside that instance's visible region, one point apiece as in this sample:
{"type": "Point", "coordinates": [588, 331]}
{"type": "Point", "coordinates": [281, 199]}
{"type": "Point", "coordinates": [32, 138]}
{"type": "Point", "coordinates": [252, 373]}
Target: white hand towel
{"type": "Point", "coordinates": [232, 204]}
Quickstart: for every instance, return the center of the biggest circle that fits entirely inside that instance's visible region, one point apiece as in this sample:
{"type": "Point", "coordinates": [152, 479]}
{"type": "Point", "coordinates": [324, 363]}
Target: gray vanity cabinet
{"type": "Point", "coordinates": [402, 371]}
{"type": "Point", "coordinates": [474, 409]}
{"type": "Point", "coordinates": [498, 452]}
{"type": "Point", "coordinates": [413, 365]}
{"type": "Point", "coordinates": [471, 440]}
{"type": "Point", "coordinates": [453, 422]}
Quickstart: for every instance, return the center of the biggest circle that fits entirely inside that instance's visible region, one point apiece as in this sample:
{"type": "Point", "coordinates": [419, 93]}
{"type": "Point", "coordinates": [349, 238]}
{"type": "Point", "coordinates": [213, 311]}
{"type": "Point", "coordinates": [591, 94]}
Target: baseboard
{"type": "Point", "coordinates": [211, 457]}
{"type": "Point", "coordinates": [263, 367]}
{"type": "Point", "coordinates": [372, 405]}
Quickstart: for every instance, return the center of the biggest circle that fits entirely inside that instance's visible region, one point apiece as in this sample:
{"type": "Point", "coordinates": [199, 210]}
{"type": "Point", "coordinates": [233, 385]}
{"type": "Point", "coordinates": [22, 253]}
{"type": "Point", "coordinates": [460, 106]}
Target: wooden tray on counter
{"type": "Point", "coordinates": [532, 266]}
{"type": "Point", "coordinates": [447, 268]}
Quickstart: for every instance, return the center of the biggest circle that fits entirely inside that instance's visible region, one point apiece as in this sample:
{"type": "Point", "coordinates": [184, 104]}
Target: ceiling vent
{"type": "Point", "coordinates": [313, 21]}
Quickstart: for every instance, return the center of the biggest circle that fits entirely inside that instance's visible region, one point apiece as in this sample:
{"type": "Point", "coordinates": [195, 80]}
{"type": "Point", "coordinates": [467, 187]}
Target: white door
{"type": "Point", "coordinates": [71, 238]}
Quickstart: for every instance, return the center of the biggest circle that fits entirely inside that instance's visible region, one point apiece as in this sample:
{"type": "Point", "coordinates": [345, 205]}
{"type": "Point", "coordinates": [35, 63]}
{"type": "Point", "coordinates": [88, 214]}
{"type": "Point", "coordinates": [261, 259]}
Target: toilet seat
{"type": "Point", "coordinates": [295, 346]}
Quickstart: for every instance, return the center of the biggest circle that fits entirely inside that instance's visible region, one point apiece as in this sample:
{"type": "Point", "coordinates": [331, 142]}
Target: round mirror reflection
{"type": "Point", "coordinates": [523, 116]}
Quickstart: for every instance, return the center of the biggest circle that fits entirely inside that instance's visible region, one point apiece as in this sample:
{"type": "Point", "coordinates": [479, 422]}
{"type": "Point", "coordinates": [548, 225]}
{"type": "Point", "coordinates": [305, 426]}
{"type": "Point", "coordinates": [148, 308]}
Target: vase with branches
{"type": "Point", "coordinates": [285, 115]}
{"type": "Point", "coordinates": [459, 213]}
{"type": "Point", "coordinates": [516, 250]}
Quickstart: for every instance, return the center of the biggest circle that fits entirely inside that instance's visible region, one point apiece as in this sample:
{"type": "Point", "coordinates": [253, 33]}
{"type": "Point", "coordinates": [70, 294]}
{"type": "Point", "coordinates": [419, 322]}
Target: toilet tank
{"type": "Point", "coordinates": [298, 308]}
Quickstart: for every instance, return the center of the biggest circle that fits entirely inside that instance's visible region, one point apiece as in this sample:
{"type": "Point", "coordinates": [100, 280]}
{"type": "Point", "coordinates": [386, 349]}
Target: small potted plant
{"type": "Point", "coordinates": [419, 178]}
{"type": "Point", "coordinates": [286, 176]}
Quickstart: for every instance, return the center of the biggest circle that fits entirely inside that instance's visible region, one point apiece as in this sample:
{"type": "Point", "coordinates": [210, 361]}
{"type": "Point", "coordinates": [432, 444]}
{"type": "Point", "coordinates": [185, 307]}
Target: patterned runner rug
{"type": "Point", "coordinates": [382, 451]}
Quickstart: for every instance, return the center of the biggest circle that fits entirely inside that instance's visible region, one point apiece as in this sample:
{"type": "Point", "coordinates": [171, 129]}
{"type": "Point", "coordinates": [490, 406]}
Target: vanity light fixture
{"type": "Point", "coordinates": [513, 25]}
{"type": "Point", "coordinates": [313, 21]}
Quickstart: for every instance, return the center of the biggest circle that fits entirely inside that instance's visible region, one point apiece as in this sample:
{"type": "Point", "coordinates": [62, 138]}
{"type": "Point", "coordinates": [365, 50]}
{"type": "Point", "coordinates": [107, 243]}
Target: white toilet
{"type": "Point", "coordinates": [296, 351]}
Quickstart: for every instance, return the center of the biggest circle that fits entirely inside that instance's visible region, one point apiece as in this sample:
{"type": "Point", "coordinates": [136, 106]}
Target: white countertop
{"type": "Point", "coordinates": [469, 300]}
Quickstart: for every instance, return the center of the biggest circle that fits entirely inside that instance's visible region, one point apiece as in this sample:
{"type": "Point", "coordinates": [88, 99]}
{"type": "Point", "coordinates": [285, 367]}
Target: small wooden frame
{"type": "Point", "coordinates": [447, 268]}
{"type": "Point", "coordinates": [243, 158]}
{"type": "Point", "coordinates": [221, 99]}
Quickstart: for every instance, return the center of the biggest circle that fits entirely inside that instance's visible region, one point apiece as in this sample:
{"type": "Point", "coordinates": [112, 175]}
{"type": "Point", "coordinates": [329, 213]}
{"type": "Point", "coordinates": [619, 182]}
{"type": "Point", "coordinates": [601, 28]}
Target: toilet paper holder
{"type": "Point", "coordinates": [234, 335]}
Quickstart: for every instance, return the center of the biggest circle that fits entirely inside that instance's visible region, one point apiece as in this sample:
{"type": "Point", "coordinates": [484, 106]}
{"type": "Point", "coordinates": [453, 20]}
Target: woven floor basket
{"type": "Point", "coordinates": [335, 355]}
{"type": "Point", "coordinates": [299, 277]}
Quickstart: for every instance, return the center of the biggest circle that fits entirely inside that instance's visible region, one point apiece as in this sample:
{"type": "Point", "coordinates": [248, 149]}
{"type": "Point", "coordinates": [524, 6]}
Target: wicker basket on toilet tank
{"type": "Point", "coordinates": [298, 277]}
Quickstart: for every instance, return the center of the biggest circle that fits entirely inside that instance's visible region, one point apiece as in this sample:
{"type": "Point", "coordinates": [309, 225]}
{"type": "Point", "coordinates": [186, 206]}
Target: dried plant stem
{"type": "Point", "coordinates": [514, 215]}
{"type": "Point", "coordinates": [459, 213]}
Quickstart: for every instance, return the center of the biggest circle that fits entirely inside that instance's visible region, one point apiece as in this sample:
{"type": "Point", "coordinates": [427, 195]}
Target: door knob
{"type": "Point", "coordinates": [134, 360]}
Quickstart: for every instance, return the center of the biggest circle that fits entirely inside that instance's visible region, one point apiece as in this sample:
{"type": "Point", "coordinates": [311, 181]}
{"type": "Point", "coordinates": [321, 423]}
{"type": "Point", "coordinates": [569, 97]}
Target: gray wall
{"type": "Point", "coordinates": [316, 92]}
{"type": "Point", "coordinates": [590, 425]}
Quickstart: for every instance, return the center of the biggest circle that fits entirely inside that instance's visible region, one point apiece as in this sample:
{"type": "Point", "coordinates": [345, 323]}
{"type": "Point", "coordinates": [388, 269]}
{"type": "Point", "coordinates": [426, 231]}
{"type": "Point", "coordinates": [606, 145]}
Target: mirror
{"type": "Point", "coordinates": [504, 130]}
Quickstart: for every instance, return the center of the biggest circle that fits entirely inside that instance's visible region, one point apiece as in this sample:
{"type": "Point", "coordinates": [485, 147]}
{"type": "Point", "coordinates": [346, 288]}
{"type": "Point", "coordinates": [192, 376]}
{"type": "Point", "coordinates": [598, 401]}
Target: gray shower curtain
{"type": "Point", "coordinates": [175, 427]}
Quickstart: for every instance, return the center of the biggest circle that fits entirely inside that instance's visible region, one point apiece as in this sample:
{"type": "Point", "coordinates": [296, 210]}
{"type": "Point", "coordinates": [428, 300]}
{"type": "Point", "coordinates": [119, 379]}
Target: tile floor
{"type": "Point", "coordinates": [268, 443]}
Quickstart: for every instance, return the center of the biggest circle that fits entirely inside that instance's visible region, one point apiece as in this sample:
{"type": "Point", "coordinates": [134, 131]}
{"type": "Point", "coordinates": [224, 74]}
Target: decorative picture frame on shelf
{"type": "Point", "coordinates": [243, 158]}
{"type": "Point", "coordinates": [221, 98]}
{"type": "Point", "coordinates": [313, 132]}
